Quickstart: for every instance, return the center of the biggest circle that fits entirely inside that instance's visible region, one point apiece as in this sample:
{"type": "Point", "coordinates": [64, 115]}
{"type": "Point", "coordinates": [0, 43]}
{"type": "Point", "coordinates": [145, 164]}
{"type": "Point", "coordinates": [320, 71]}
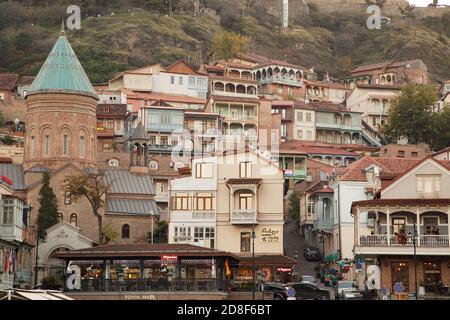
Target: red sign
{"type": "Point", "coordinates": [7, 180]}
{"type": "Point", "coordinates": [169, 258]}
{"type": "Point", "coordinates": [284, 270]}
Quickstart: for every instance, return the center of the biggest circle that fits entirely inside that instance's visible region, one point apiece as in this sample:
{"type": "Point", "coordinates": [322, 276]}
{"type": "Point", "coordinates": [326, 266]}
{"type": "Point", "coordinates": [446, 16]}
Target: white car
{"type": "Point", "coordinates": [309, 279]}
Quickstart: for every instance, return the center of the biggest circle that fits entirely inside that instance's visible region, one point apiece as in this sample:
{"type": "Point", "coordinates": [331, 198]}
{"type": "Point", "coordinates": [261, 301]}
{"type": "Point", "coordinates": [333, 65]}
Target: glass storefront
{"type": "Point", "coordinates": [400, 273]}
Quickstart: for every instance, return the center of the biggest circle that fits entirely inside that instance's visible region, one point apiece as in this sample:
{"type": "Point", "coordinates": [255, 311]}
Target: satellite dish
{"type": "Point", "coordinates": [307, 101]}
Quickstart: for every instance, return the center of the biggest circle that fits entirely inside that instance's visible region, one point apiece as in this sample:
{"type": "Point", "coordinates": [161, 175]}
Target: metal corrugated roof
{"type": "Point", "coordinates": [124, 182]}
{"type": "Point", "coordinates": [62, 73]}
{"type": "Point", "coordinates": [131, 206]}
{"type": "Point", "coordinates": [15, 173]}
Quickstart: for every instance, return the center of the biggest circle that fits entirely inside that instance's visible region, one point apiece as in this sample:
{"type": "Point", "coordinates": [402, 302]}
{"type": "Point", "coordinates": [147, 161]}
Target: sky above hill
{"type": "Point", "coordinates": [424, 3]}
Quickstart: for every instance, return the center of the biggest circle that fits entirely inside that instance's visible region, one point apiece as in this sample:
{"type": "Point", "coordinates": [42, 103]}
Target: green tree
{"type": "Point", "coordinates": [411, 115]}
{"type": "Point", "coordinates": [90, 185]}
{"type": "Point", "coordinates": [294, 205]}
{"type": "Point", "coordinates": [48, 207]}
{"type": "Point", "coordinates": [442, 136]}
{"type": "Point", "coordinates": [227, 44]}
{"type": "Point", "coordinates": [160, 234]}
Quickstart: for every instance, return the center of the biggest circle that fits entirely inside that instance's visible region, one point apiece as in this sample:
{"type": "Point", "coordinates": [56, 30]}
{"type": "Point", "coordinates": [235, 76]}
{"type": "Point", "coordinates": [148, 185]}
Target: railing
{"type": "Point", "coordinates": [402, 241]}
{"type": "Point", "coordinates": [149, 285]}
{"type": "Point", "coordinates": [160, 147]}
{"type": "Point", "coordinates": [162, 196]}
{"type": "Point", "coordinates": [323, 224]}
{"type": "Point", "coordinates": [243, 217]}
{"type": "Point", "coordinates": [374, 240]}
{"type": "Point", "coordinates": [200, 215]}
{"type": "Point", "coordinates": [434, 241]}
{"type": "Point", "coordinates": [280, 79]}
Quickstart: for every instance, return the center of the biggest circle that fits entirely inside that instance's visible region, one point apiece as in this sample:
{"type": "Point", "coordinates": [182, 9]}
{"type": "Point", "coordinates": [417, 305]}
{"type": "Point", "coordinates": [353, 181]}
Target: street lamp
{"type": "Point", "coordinates": [415, 258]}
{"type": "Point", "coordinates": [253, 259]}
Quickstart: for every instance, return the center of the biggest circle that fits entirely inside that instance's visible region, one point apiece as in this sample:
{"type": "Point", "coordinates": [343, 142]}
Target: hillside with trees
{"type": "Point", "coordinates": [121, 34]}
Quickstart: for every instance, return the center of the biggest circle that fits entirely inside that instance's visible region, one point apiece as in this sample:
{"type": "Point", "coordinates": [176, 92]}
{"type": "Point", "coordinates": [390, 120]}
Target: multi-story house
{"type": "Point", "coordinates": [405, 229]}
{"type": "Point", "coordinates": [110, 127]}
{"type": "Point", "coordinates": [334, 224]}
{"type": "Point", "coordinates": [389, 73]}
{"type": "Point", "coordinates": [325, 91]}
{"type": "Point", "coordinates": [327, 123]}
{"type": "Point", "coordinates": [106, 96]}
{"type": "Point", "coordinates": [233, 202]}
{"type": "Point", "coordinates": [140, 79]}
{"type": "Point", "coordinates": [443, 154]}
{"type": "Point", "coordinates": [236, 100]}
{"type": "Point", "coordinates": [373, 101]}
{"type": "Point", "coordinates": [181, 79]}
{"type": "Point", "coordinates": [304, 122]}
{"type": "Point", "coordinates": [17, 237]}
{"type": "Point", "coordinates": [286, 111]}
{"type": "Point", "coordinates": [8, 82]}
{"type": "Point", "coordinates": [317, 173]}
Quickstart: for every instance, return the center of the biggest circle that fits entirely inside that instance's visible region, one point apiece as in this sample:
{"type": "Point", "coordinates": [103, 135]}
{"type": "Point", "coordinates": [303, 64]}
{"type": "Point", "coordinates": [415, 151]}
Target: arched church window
{"type": "Point", "coordinates": [82, 146]}
{"type": "Point", "coordinates": [74, 219]}
{"type": "Point", "coordinates": [153, 165]}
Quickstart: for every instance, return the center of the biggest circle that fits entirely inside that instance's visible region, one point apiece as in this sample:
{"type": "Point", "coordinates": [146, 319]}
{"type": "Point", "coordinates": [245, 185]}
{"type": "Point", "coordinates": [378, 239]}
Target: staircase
{"type": "Point", "coordinates": [372, 137]}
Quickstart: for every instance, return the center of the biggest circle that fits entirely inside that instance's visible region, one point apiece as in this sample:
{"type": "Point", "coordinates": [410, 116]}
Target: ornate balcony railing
{"type": "Point", "coordinates": [243, 217]}
{"type": "Point", "coordinates": [434, 241]}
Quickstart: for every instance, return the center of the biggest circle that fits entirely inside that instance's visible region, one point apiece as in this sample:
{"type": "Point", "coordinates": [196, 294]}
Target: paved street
{"type": "Point", "coordinates": [293, 247]}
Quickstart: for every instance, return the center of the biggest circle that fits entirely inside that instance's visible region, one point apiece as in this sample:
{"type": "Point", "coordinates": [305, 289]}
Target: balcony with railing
{"type": "Point", "coordinates": [323, 224]}
{"type": "Point", "coordinates": [281, 80]}
{"type": "Point", "coordinates": [243, 217]}
{"type": "Point", "coordinates": [162, 197]}
{"type": "Point", "coordinates": [403, 244]}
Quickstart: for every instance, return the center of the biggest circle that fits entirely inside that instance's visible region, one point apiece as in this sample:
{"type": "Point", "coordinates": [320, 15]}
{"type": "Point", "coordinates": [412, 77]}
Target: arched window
{"type": "Point", "coordinates": [126, 231]}
{"type": "Point", "coordinates": [46, 142]}
{"type": "Point", "coordinates": [153, 165]}
{"type": "Point", "coordinates": [82, 146]}
{"type": "Point", "coordinates": [60, 217]}
{"type": "Point", "coordinates": [74, 219]}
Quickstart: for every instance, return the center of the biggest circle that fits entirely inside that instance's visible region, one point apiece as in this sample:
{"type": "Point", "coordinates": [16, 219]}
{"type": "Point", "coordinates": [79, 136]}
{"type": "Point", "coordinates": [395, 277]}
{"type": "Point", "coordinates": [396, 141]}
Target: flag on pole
{"type": "Point", "coordinates": [227, 268]}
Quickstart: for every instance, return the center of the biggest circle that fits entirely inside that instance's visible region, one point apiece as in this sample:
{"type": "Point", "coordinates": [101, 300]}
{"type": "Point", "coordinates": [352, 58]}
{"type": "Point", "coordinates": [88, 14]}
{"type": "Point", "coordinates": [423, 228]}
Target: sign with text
{"type": "Point", "coordinates": [169, 258]}
{"type": "Point", "coordinates": [270, 235]}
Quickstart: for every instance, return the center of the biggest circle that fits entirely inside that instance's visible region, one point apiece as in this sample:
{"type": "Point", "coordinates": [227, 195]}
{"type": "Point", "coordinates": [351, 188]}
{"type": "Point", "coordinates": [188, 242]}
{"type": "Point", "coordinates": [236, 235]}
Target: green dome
{"type": "Point", "coordinates": [62, 73]}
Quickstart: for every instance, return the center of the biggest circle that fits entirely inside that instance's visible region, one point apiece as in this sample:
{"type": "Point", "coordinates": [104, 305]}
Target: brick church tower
{"type": "Point", "coordinates": [61, 113]}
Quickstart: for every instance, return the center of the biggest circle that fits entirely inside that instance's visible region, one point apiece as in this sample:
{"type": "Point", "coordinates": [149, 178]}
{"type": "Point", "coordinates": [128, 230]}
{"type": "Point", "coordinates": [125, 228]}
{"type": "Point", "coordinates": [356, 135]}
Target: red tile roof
{"type": "Point", "coordinates": [115, 110]}
{"type": "Point", "coordinates": [391, 168]}
{"type": "Point", "coordinates": [141, 250]}
{"type": "Point", "coordinates": [299, 147]}
{"type": "Point", "coordinates": [400, 202]}
{"type": "Point", "coordinates": [234, 65]}
{"type": "Point", "coordinates": [25, 81]}
{"type": "Point", "coordinates": [379, 86]}
{"type": "Point", "coordinates": [327, 84]}
{"type": "Point", "coordinates": [8, 81]}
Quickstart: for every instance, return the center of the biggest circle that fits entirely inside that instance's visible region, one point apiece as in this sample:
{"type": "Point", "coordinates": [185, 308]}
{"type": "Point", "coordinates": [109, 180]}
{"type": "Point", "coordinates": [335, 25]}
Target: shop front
{"type": "Point", "coordinates": [268, 268]}
{"type": "Point", "coordinates": [159, 267]}
{"type": "Point", "coordinates": [398, 273]}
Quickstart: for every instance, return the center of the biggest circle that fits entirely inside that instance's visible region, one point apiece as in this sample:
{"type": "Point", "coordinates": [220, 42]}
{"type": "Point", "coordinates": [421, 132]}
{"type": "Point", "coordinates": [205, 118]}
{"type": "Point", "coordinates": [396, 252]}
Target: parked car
{"type": "Point", "coordinates": [307, 291]}
{"type": "Point", "coordinates": [279, 291]}
{"type": "Point", "coordinates": [308, 279]}
{"type": "Point", "coordinates": [352, 295]}
{"type": "Point", "coordinates": [312, 254]}
{"type": "Point", "coordinates": [342, 287]}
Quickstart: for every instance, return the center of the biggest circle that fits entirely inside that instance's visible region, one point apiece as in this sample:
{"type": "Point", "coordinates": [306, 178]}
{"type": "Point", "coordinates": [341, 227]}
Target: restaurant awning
{"type": "Point", "coordinates": [20, 294]}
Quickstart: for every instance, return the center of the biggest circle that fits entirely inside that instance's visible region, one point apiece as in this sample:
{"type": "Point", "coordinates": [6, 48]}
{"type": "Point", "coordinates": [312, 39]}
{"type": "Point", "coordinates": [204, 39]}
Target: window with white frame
{"type": "Point", "coordinates": [8, 211]}
{"type": "Point", "coordinates": [428, 184]}
{"type": "Point", "coordinates": [299, 116]}
{"type": "Point", "coordinates": [182, 234]}
{"type": "Point", "coordinates": [245, 169]}
{"type": "Point", "coordinates": [181, 202]}
{"type": "Point", "coordinates": [203, 170]}
{"type": "Point", "coordinates": [311, 206]}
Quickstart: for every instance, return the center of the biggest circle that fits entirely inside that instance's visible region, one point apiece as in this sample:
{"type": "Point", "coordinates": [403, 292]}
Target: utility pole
{"type": "Point", "coordinates": [415, 258]}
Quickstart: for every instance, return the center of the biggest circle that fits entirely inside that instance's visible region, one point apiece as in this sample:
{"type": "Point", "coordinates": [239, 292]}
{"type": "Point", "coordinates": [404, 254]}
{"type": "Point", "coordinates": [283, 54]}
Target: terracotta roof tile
{"type": "Point", "coordinates": [391, 168]}
{"type": "Point", "coordinates": [8, 81]}
{"type": "Point", "coordinates": [401, 202]}
{"type": "Point", "coordinates": [299, 147]}
{"type": "Point", "coordinates": [141, 250]}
